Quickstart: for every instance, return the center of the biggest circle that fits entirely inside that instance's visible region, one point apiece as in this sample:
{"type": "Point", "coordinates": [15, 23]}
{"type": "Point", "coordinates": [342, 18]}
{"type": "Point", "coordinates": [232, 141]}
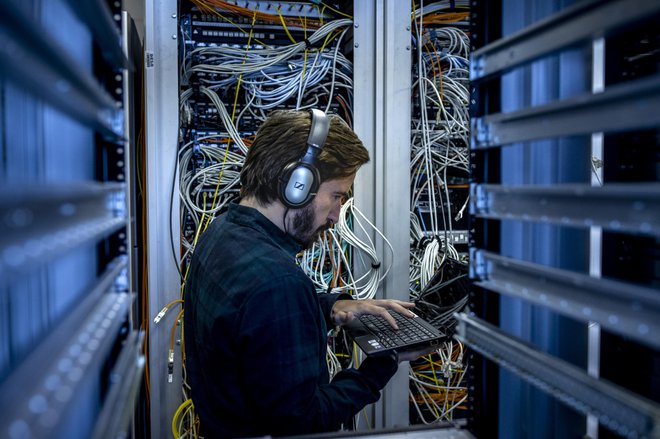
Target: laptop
{"type": "Point", "coordinates": [375, 336]}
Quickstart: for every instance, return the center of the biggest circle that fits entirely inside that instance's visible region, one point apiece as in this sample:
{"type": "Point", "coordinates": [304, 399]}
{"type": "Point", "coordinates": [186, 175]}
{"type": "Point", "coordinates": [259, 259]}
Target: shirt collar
{"type": "Point", "coordinates": [250, 217]}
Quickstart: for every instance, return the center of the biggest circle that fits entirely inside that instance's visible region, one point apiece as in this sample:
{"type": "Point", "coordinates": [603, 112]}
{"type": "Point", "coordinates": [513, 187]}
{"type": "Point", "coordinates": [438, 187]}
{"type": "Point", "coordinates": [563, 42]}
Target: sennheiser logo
{"type": "Point", "coordinates": [298, 185]}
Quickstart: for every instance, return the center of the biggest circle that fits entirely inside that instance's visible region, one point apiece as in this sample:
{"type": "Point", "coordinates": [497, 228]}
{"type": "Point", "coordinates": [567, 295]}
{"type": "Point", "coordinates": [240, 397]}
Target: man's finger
{"type": "Point", "coordinates": [405, 304]}
{"type": "Point", "coordinates": [399, 306]}
{"type": "Point", "coordinates": [404, 310]}
{"type": "Point", "coordinates": [381, 311]}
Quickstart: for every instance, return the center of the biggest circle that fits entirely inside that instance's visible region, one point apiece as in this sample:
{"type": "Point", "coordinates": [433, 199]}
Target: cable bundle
{"type": "Point", "coordinates": [439, 169]}
{"type": "Point", "coordinates": [205, 190]}
{"type": "Point", "coordinates": [308, 73]}
{"type": "Point", "coordinates": [437, 387]}
{"type": "Point", "coordinates": [235, 61]}
{"type": "Point", "coordinates": [439, 144]}
{"type": "Point", "coordinates": [332, 262]}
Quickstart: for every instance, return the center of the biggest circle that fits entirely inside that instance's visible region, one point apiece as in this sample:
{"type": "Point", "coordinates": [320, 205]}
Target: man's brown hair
{"type": "Point", "coordinates": [282, 139]}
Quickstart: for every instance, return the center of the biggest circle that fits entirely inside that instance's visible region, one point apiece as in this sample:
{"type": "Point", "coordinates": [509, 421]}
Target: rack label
{"type": "Point", "coordinates": [148, 59]}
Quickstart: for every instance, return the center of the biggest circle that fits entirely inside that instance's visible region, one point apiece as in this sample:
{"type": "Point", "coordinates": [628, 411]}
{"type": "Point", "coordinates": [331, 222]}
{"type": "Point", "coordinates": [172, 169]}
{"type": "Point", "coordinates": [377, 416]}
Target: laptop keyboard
{"type": "Point", "coordinates": [409, 332]}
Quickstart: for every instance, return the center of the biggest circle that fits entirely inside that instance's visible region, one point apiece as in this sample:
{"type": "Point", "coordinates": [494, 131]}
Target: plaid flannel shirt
{"type": "Point", "coordinates": [256, 337]}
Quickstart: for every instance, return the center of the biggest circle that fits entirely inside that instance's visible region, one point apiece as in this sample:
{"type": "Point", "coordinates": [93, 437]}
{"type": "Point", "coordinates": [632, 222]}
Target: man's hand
{"type": "Point", "coordinates": [343, 311]}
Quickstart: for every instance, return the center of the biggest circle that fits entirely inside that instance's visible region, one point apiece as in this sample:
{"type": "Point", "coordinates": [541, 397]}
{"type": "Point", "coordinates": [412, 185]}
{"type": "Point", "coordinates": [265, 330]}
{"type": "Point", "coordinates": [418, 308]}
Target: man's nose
{"type": "Point", "coordinates": [334, 214]}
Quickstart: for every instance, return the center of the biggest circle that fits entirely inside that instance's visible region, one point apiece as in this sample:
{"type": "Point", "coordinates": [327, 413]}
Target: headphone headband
{"type": "Point", "coordinates": [318, 131]}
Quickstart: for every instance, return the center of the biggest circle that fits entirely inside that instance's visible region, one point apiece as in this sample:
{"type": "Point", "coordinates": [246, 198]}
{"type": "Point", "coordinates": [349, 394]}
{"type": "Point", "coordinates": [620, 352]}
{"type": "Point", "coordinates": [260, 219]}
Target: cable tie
{"type": "Point", "coordinates": [375, 266]}
{"type": "Point", "coordinates": [452, 4]}
{"type": "Point", "coordinates": [308, 45]}
{"type": "Point", "coordinates": [423, 242]}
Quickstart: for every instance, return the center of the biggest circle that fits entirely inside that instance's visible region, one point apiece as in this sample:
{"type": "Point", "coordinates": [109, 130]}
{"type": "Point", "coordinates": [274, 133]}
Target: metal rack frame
{"type": "Point", "coordinates": [621, 410]}
{"type": "Point", "coordinates": [631, 208]}
{"type": "Point", "coordinates": [43, 220]}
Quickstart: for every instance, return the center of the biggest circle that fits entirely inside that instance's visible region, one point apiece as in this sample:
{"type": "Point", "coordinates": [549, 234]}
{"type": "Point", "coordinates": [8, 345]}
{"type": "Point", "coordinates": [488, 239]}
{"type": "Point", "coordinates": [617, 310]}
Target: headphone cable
{"type": "Point", "coordinates": [286, 210]}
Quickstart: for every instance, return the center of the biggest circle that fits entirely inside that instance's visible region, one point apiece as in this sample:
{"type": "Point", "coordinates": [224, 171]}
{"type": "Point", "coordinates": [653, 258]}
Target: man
{"type": "Point", "coordinates": [255, 329]}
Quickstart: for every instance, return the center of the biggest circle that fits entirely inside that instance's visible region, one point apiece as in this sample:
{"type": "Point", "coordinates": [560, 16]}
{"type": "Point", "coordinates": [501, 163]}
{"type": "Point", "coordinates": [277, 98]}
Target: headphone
{"type": "Point", "coordinates": [300, 180]}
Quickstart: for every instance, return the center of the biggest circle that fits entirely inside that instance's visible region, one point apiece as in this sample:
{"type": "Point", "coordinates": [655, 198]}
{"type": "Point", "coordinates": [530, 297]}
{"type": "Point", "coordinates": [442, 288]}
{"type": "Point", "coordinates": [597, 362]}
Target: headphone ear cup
{"type": "Point", "coordinates": [300, 180]}
{"type": "Point", "coordinates": [298, 184]}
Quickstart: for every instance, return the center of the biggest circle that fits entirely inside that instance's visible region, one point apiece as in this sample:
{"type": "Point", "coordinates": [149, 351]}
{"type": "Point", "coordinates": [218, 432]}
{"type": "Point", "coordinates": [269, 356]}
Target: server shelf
{"type": "Point", "coordinates": [97, 16]}
{"type": "Point", "coordinates": [578, 23]}
{"type": "Point", "coordinates": [43, 223]}
{"type": "Point", "coordinates": [563, 219]}
{"type": "Point", "coordinates": [621, 410]}
{"type": "Point", "coordinates": [632, 207]}
{"type": "Point", "coordinates": [624, 107]}
{"type": "Point", "coordinates": [627, 309]}
{"type": "Point", "coordinates": [115, 416]}
{"type": "Point", "coordinates": [39, 395]}
{"type": "Point", "coordinates": [49, 72]}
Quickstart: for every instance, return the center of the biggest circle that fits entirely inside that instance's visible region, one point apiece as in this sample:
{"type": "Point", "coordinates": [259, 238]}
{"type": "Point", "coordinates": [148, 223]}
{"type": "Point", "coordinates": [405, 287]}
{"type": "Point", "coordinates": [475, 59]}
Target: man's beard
{"type": "Point", "coordinates": [303, 227]}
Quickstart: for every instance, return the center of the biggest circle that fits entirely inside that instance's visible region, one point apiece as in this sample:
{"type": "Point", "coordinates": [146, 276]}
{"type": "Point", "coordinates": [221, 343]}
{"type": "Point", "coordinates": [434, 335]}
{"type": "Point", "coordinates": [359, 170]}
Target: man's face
{"type": "Point", "coordinates": [310, 221]}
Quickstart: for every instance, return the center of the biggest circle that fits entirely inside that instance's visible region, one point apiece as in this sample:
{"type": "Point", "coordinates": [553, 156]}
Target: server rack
{"type": "Point", "coordinates": [560, 203]}
{"type": "Point", "coordinates": [70, 364]}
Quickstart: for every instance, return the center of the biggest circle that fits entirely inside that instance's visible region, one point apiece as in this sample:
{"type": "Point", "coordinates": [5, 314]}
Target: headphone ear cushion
{"type": "Point", "coordinates": [298, 184]}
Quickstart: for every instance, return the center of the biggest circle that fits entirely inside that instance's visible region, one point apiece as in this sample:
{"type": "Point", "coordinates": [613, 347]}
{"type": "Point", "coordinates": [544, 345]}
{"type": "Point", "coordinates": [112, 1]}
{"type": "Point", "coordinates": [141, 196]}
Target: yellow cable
{"type": "Point", "coordinates": [435, 377]}
{"type": "Point", "coordinates": [172, 303]}
{"type": "Point", "coordinates": [320, 14]}
{"type": "Point", "coordinates": [240, 77]}
{"type": "Point", "coordinates": [166, 308]}
{"type": "Point", "coordinates": [328, 38]}
{"type": "Point", "coordinates": [183, 417]}
{"type": "Point", "coordinates": [177, 413]}
{"type": "Point", "coordinates": [279, 12]}
{"type": "Point", "coordinates": [233, 115]}
{"type": "Point", "coordinates": [213, 11]}
{"type": "Point", "coordinates": [366, 418]}
{"type": "Point", "coordinates": [178, 316]}
{"type": "Point", "coordinates": [194, 244]}
{"type": "Point", "coordinates": [336, 11]}
{"type": "Point", "coordinates": [302, 78]}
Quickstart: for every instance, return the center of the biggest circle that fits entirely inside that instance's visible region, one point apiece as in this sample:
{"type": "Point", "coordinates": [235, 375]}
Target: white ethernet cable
{"type": "Point", "coordinates": [237, 61]}
{"type": "Point", "coordinates": [313, 261]}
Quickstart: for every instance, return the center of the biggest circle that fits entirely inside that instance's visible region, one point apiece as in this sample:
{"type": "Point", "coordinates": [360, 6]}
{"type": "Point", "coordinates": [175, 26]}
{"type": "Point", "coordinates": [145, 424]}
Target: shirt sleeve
{"type": "Point", "coordinates": [282, 342]}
